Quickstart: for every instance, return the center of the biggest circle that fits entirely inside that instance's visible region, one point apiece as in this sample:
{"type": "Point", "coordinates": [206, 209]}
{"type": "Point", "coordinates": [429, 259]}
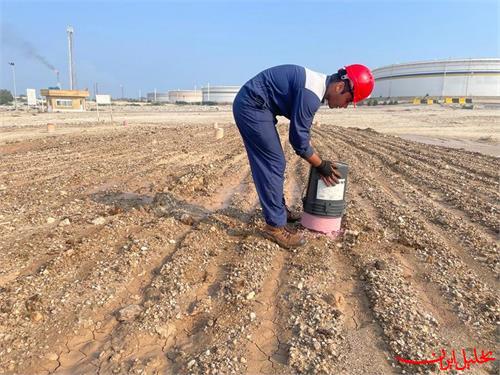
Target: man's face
{"type": "Point", "coordinates": [337, 96]}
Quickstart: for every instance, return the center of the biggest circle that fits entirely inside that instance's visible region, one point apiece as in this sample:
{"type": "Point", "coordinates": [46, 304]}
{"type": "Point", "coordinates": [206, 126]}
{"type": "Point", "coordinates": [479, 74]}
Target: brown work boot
{"type": "Point", "coordinates": [292, 216]}
{"type": "Point", "coordinates": [283, 236]}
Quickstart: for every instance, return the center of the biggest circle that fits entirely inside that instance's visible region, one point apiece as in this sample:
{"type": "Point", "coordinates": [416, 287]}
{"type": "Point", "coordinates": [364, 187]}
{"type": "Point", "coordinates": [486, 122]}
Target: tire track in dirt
{"type": "Point", "coordinates": [362, 166]}
{"type": "Point", "coordinates": [437, 156]}
{"type": "Point", "coordinates": [66, 299]}
{"type": "Point", "coordinates": [472, 183]}
{"type": "Point", "coordinates": [475, 238]}
{"type": "Point", "coordinates": [473, 206]}
{"type": "Point", "coordinates": [87, 267]}
{"type": "Point", "coordinates": [221, 299]}
{"type": "Point", "coordinates": [483, 164]}
{"type": "Point", "coordinates": [154, 347]}
{"type": "Point", "coordinates": [125, 180]}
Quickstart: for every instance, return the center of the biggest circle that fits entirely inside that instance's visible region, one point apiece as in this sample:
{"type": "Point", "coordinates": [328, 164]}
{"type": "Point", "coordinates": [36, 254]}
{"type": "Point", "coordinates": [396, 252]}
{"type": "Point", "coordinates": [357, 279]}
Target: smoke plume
{"type": "Point", "coordinates": [9, 37]}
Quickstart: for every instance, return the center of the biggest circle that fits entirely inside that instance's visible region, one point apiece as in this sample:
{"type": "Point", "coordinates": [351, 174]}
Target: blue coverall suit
{"type": "Point", "coordinates": [286, 90]}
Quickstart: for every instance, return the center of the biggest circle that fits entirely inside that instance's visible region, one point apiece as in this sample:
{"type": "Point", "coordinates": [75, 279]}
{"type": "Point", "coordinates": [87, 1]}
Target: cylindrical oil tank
{"type": "Point", "coordinates": [219, 94]}
{"type": "Point", "coordinates": [439, 78]}
{"type": "Point", "coordinates": [184, 96]}
{"type": "Point", "coordinates": [158, 97]}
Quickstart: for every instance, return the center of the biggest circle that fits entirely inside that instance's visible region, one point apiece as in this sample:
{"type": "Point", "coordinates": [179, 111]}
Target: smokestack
{"type": "Point", "coordinates": [70, 32]}
{"type": "Point", "coordinates": [57, 78]}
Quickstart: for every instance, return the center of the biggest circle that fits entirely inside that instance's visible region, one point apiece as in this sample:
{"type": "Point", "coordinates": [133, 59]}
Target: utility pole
{"type": "Point", "coordinates": [140, 95]}
{"type": "Point", "coordinates": [121, 88]}
{"type": "Point", "coordinates": [14, 80]}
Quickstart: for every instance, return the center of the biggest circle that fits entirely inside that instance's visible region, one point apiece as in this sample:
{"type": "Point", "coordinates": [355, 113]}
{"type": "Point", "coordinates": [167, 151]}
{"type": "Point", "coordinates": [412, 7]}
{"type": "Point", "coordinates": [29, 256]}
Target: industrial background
{"type": "Point", "coordinates": [439, 78]}
{"type": "Point", "coordinates": [208, 94]}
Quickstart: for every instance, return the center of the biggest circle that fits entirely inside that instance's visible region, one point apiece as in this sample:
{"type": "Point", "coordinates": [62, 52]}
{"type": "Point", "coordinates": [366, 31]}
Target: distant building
{"type": "Point", "coordinates": [184, 96]}
{"type": "Point", "coordinates": [65, 100]}
{"type": "Point", "coordinates": [157, 97]}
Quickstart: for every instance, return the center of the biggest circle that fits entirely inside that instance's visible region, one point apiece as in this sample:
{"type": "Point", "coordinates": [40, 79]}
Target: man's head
{"type": "Point", "coordinates": [339, 92]}
{"type": "Point", "coordinates": [350, 84]}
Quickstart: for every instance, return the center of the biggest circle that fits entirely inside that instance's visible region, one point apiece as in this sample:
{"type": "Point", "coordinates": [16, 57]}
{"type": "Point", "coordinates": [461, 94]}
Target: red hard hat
{"type": "Point", "coordinates": [362, 81]}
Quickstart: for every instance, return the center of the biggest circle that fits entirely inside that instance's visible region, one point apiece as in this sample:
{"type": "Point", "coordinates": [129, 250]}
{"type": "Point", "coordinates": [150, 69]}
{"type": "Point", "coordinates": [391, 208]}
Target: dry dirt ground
{"type": "Point", "coordinates": [136, 248]}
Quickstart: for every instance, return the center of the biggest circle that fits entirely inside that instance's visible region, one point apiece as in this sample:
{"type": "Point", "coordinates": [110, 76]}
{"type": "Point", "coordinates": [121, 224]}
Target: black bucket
{"type": "Point", "coordinates": [325, 200]}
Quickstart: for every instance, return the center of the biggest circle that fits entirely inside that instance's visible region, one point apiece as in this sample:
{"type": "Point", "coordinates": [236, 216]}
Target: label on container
{"type": "Point", "coordinates": [331, 193]}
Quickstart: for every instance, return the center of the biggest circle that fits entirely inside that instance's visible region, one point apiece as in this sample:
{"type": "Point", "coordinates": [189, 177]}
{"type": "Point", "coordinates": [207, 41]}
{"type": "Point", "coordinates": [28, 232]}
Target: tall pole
{"type": "Point", "coordinates": [140, 95]}
{"type": "Point", "coordinates": [70, 31]}
{"type": "Point", "coordinates": [121, 88]}
{"type": "Point", "coordinates": [14, 80]}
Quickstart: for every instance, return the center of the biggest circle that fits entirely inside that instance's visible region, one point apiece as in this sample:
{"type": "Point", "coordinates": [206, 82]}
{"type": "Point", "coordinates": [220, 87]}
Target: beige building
{"type": "Point", "coordinates": [65, 100]}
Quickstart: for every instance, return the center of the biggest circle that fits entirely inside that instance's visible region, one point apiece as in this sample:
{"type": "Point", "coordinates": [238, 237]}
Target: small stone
{"type": "Point", "coordinates": [253, 316]}
{"type": "Point", "coordinates": [50, 220]}
{"type": "Point", "coordinates": [99, 221]}
{"type": "Point", "coordinates": [144, 248]}
{"type": "Point", "coordinates": [36, 316]}
{"type": "Point", "coordinates": [251, 295]}
{"type": "Point", "coordinates": [380, 265]}
{"type": "Point", "coordinates": [172, 242]}
{"type": "Point", "coordinates": [187, 219]}
{"type": "Point", "coordinates": [213, 229]}
{"type": "Point", "coordinates": [191, 363]}
{"type": "Point", "coordinates": [129, 313]}
{"type": "Point", "coordinates": [207, 353]}
{"type": "Point", "coordinates": [317, 345]}
{"type": "Point", "coordinates": [166, 331]}
{"type": "Point", "coordinates": [64, 223]}
{"type": "Point", "coordinates": [339, 300]}
{"type": "Point", "coordinates": [52, 356]}
{"type": "Point", "coordinates": [300, 285]}
{"type": "Point", "coordinates": [243, 360]}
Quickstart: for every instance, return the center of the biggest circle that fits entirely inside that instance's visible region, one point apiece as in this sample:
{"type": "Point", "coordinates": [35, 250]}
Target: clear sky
{"type": "Point", "coordinates": [165, 45]}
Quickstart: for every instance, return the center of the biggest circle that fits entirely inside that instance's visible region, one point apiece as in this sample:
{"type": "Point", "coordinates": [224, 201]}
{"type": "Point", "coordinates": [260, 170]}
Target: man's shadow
{"type": "Point", "coordinates": [168, 205]}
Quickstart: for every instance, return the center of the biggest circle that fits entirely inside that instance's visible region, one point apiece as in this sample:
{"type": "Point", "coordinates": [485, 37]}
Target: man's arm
{"type": "Point", "coordinates": [305, 106]}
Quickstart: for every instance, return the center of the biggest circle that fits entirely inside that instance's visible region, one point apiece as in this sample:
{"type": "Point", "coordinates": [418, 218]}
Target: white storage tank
{"type": "Point", "coordinates": [219, 94]}
{"type": "Point", "coordinates": [439, 78]}
{"type": "Point", "coordinates": [158, 97]}
{"type": "Point", "coordinates": [184, 96]}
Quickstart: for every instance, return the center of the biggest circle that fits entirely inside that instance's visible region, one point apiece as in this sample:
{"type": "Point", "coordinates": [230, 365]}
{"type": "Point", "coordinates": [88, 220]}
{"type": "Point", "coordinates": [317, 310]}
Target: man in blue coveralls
{"type": "Point", "coordinates": [296, 93]}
